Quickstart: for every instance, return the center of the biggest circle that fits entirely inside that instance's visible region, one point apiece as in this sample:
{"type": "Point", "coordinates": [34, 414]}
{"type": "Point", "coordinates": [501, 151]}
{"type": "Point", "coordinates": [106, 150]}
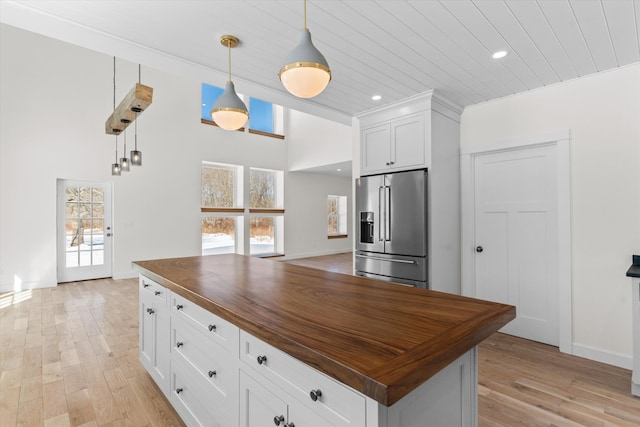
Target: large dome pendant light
{"type": "Point", "coordinates": [306, 72]}
{"type": "Point", "coordinates": [229, 112]}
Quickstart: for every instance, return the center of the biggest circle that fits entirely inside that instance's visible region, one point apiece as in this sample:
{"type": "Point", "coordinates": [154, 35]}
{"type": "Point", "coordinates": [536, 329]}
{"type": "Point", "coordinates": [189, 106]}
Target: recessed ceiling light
{"type": "Point", "coordinates": [376, 97]}
{"type": "Point", "coordinates": [339, 170]}
{"type": "Point", "coordinates": [499, 54]}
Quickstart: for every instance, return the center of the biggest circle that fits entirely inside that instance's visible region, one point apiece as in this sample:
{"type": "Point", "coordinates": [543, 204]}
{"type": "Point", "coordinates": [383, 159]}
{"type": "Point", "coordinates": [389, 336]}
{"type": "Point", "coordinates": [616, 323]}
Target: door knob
{"type": "Point", "coordinates": [479, 249]}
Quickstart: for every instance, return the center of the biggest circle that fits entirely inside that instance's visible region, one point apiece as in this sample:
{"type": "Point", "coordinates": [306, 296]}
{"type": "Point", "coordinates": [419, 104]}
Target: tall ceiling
{"type": "Point", "coordinates": [391, 48]}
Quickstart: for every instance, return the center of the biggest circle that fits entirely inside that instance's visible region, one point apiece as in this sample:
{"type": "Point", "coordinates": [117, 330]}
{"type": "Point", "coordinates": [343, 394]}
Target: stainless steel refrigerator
{"type": "Point", "coordinates": [391, 221]}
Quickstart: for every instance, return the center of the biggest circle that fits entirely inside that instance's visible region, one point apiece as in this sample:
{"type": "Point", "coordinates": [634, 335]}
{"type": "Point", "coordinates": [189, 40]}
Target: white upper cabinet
{"type": "Point", "coordinates": [399, 136]}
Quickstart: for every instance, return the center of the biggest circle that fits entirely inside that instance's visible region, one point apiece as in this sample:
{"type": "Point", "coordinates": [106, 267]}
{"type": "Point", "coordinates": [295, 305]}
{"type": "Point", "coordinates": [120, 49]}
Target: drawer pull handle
{"type": "Point", "coordinates": [179, 344]}
{"type": "Point", "coordinates": [278, 419]}
{"type": "Point", "coordinates": [178, 306]}
{"type": "Point", "coordinates": [179, 390]}
{"type": "Point", "coordinates": [212, 328]}
{"type": "Point", "coordinates": [145, 285]}
{"type": "Point", "coordinates": [315, 394]}
{"type": "Point", "coordinates": [212, 374]}
{"type": "Point", "coordinates": [289, 425]}
{"type": "Point", "coordinates": [261, 359]}
{"type": "Point", "coordinates": [157, 293]}
{"type": "Point", "coordinates": [150, 310]}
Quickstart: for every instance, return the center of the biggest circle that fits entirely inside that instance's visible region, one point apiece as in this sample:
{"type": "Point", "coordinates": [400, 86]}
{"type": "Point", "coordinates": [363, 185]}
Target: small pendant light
{"type": "Point", "coordinates": [306, 72]}
{"type": "Point", "coordinates": [124, 161]}
{"type": "Point", "coordinates": [115, 167]}
{"type": "Point", "coordinates": [136, 156]}
{"type": "Point", "coordinates": [229, 112]}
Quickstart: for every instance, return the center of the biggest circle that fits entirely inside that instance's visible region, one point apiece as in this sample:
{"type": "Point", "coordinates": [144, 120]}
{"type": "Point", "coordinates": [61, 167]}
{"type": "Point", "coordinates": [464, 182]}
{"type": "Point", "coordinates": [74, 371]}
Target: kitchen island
{"type": "Point", "coordinates": [308, 346]}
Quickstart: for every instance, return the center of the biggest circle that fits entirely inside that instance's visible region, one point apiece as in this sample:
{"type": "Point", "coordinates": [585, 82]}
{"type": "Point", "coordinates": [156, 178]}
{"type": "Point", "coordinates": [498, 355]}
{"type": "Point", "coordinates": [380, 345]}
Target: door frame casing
{"type": "Point", "coordinates": [561, 141]}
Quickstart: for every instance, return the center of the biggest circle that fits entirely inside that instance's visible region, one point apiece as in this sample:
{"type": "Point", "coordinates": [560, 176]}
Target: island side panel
{"type": "Point", "coordinates": [449, 398]}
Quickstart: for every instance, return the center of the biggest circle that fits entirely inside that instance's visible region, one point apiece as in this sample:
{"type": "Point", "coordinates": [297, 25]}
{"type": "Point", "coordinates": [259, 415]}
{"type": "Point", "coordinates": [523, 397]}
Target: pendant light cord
{"type": "Point", "coordinates": [114, 101]}
{"type": "Point", "coordinates": [305, 14]}
{"type": "Point", "coordinates": [229, 50]}
{"type": "Point", "coordinates": [136, 120]}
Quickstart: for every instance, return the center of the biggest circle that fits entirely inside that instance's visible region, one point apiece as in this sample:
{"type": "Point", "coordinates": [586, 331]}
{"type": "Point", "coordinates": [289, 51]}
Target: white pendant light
{"type": "Point", "coordinates": [229, 112]}
{"type": "Point", "coordinates": [306, 72]}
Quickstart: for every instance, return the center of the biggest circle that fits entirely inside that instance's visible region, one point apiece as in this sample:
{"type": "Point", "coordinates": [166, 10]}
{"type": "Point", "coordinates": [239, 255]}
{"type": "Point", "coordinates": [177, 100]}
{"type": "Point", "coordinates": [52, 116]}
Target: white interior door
{"type": "Point", "coordinates": [516, 237]}
{"type": "Point", "coordinates": [83, 230]}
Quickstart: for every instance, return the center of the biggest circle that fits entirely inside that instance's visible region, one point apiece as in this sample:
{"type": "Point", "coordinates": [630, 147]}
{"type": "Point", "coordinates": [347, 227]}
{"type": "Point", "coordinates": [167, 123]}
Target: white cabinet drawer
{"type": "Point", "coordinates": [340, 405]}
{"type": "Point", "coordinates": [191, 400]}
{"type": "Point", "coordinates": [209, 361]}
{"type": "Point", "coordinates": [150, 287]}
{"type": "Point", "coordinates": [218, 329]}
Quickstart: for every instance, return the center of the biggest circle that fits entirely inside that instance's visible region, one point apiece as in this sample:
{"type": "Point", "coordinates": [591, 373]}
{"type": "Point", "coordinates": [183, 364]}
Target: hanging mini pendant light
{"type": "Point", "coordinates": [124, 161]}
{"type": "Point", "coordinates": [229, 112]}
{"type": "Point", "coordinates": [136, 156]}
{"type": "Point", "coordinates": [115, 167]}
{"type": "Point", "coordinates": [306, 72]}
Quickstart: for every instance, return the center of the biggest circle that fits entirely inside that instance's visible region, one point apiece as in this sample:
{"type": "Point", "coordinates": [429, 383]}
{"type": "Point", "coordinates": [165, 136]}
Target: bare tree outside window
{"type": "Point", "coordinates": [262, 189]}
{"type": "Point", "coordinates": [218, 186]}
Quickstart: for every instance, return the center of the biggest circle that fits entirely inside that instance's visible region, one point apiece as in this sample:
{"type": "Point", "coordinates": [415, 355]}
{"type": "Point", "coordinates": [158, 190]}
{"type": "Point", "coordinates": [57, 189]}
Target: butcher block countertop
{"type": "Point", "coordinates": [381, 339]}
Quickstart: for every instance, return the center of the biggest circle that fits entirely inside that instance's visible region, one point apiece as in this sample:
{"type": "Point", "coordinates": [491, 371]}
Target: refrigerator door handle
{"type": "Point", "coordinates": [381, 214]}
{"type": "Point", "coordinates": [387, 215]}
{"type": "Point", "coordinates": [401, 261]}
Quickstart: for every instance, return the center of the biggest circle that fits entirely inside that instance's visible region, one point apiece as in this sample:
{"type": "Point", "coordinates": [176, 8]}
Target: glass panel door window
{"type": "Point", "coordinates": [84, 230]}
{"type": "Point", "coordinates": [84, 226]}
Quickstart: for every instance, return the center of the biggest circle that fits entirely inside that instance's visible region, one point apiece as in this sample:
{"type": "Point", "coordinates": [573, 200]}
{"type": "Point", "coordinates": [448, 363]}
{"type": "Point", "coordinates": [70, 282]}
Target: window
{"type": "Point", "coordinates": [221, 190]}
{"type": "Point", "coordinates": [266, 209]}
{"type": "Point", "coordinates": [265, 118]}
{"type": "Point", "coordinates": [221, 186]}
{"type": "Point", "coordinates": [336, 216]}
{"type": "Point", "coordinates": [226, 222]}
{"type": "Point", "coordinates": [260, 115]}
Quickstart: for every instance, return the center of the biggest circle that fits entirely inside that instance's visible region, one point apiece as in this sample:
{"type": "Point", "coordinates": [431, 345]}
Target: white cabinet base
{"type": "Point", "coordinates": [269, 384]}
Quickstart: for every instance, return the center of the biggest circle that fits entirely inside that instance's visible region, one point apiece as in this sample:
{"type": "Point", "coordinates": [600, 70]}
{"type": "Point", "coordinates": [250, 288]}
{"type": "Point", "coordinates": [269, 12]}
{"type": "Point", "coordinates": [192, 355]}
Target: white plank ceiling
{"type": "Point", "coordinates": [393, 48]}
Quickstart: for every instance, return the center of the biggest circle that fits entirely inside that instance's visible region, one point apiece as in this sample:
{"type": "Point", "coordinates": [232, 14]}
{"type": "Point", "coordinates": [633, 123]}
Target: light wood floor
{"type": "Point", "coordinates": [69, 357]}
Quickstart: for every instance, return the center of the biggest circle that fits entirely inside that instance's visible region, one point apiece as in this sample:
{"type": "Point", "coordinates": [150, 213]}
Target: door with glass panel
{"type": "Point", "coordinates": [84, 230]}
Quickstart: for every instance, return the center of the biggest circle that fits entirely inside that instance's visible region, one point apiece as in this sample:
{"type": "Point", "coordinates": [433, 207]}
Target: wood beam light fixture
{"type": "Point", "coordinates": [134, 103]}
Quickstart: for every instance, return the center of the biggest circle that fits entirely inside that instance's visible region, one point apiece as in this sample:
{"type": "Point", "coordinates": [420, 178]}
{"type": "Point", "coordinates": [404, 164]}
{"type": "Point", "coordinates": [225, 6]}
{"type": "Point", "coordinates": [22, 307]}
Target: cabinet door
{"type": "Point", "coordinates": [375, 146]}
{"type": "Point", "coordinates": [154, 340]}
{"type": "Point", "coordinates": [147, 332]}
{"type": "Point", "coordinates": [408, 142]}
{"type": "Point", "coordinates": [258, 405]}
{"type": "Point", "coordinates": [162, 348]}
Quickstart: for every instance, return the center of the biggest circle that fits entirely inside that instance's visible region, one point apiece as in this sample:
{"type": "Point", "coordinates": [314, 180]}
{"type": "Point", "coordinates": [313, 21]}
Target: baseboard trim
{"type": "Point", "coordinates": [603, 356]}
{"type": "Point", "coordinates": [125, 275]}
{"type": "Point", "coordinates": [10, 287]}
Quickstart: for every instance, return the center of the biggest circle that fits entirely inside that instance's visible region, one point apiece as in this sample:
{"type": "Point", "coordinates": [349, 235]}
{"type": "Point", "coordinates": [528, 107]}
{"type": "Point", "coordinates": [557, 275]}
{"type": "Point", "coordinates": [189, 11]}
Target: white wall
{"type": "Point", "coordinates": [314, 142]}
{"type": "Point", "coordinates": [309, 207]}
{"type": "Point", "coordinates": [55, 100]}
{"type": "Point", "coordinates": [602, 113]}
